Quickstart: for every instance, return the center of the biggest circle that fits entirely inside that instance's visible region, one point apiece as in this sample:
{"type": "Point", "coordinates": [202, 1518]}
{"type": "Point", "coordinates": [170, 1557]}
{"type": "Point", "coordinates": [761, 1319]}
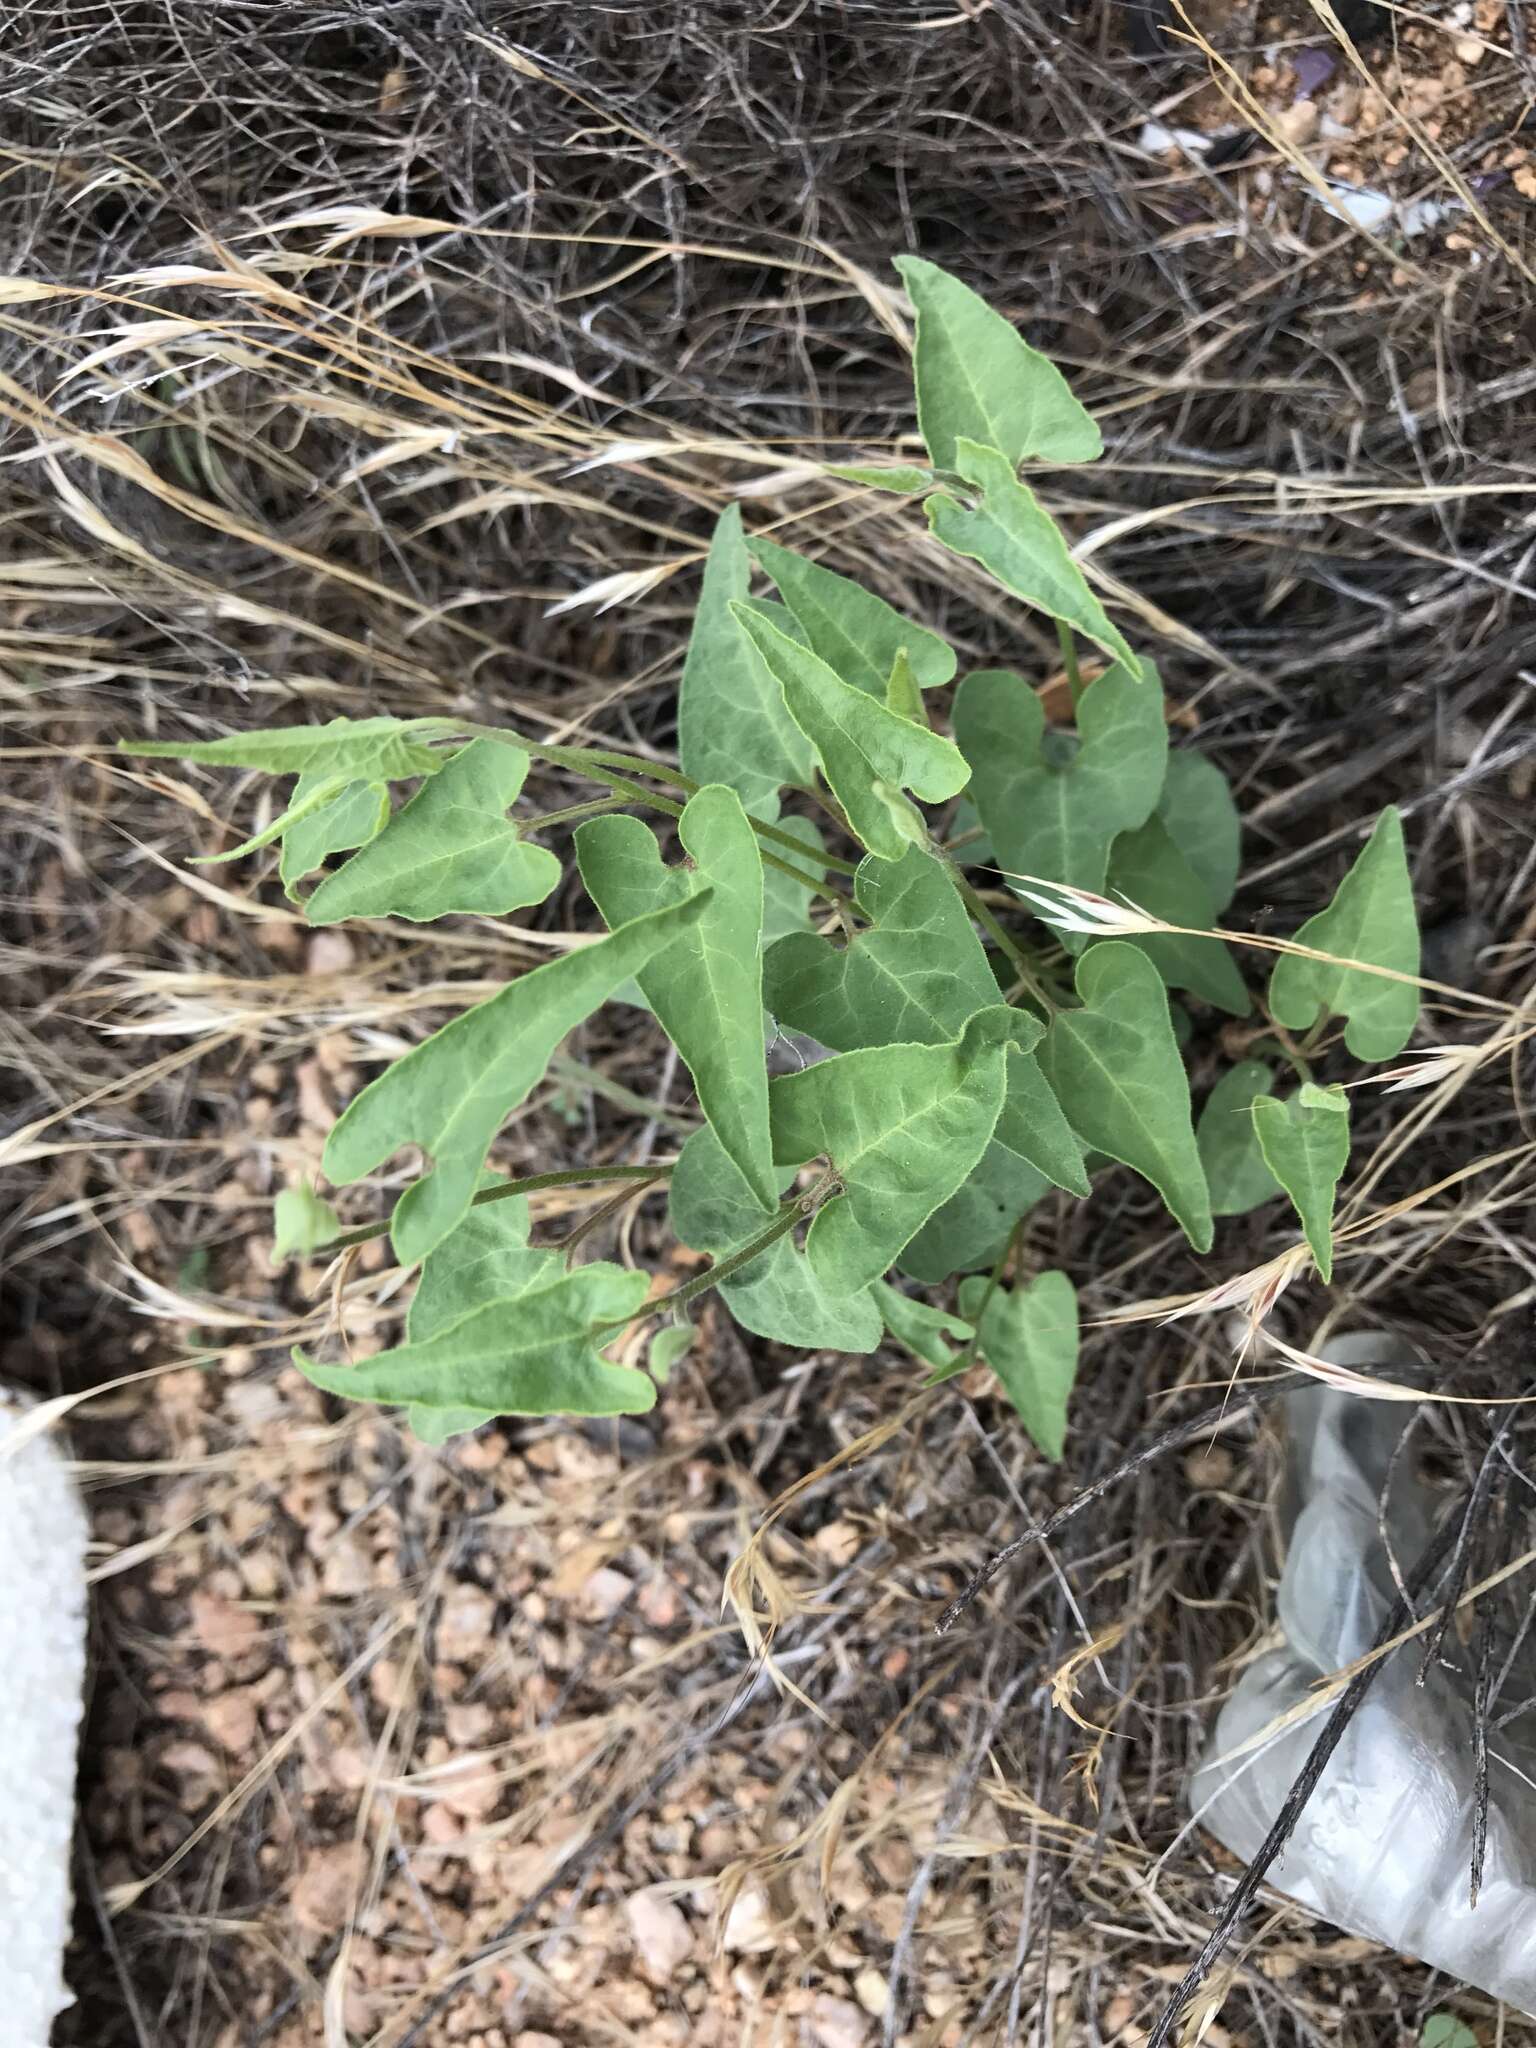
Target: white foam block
{"type": "Point", "coordinates": [42, 1679]}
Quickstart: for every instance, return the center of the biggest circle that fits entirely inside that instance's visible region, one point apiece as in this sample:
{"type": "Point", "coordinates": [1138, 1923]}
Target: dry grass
{"type": "Point", "coordinates": [336, 353]}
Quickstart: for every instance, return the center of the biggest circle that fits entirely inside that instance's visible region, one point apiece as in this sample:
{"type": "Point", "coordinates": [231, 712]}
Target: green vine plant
{"type": "Point", "coordinates": [997, 934]}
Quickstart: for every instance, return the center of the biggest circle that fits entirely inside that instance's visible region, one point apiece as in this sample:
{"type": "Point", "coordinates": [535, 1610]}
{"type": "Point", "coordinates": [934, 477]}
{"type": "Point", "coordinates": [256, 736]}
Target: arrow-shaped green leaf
{"type": "Point", "coordinates": [856, 634]}
{"type": "Point", "coordinates": [1305, 1142]}
{"type": "Point", "coordinates": [979, 380]}
{"type": "Point", "coordinates": [1229, 1145]}
{"type": "Point", "coordinates": [707, 988]}
{"type": "Point", "coordinates": [1371, 920]}
{"type": "Point", "coordinates": [1029, 1337]}
{"type": "Point", "coordinates": [535, 1354]}
{"type": "Point", "coordinates": [902, 1125]}
{"type": "Point", "coordinates": [1019, 543]}
{"type": "Point", "coordinates": [732, 726]}
{"type": "Point", "coordinates": [868, 753]}
{"type": "Point", "coordinates": [1196, 807]}
{"type": "Point", "coordinates": [778, 1295]}
{"type": "Point", "coordinates": [365, 749]}
{"type": "Point", "coordinates": [1114, 1066]}
{"type": "Point", "coordinates": [1051, 805]}
{"type": "Point", "coordinates": [353, 817]}
{"type": "Point", "coordinates": [451, 1094]}
{"type": "Point", "coordinates": [1147, 867]}
{"type": "Point", "coordinates": [451, 848]}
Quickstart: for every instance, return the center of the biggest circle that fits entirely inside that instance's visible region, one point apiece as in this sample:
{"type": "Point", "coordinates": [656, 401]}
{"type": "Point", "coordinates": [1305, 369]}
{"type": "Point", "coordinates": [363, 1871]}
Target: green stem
{"type": "Point", "coordinates": [1024, 963]}
{"type": "Point", "coordinates": [1069, 662]}
{"type": "Point", "coordinates": [793, 1211]}
{"type": "Point", "coordinates": [531, 1184]}
{"type": "Point", "coordinates": [966, 1357]}
{"type": "Point", "coordinates": [572, 813]}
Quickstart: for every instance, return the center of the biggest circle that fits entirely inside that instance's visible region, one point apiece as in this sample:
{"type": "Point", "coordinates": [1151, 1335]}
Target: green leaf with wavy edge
{"type": "Point", "coordinates": [1051, 806]}
{"type": "Point", "coordinates": [1029, 1337]}
{"type": "Point", "coordinates": [904, 478]}
{"type": "Point", "coordinates": [917, 972]}
{"type": "Point", "coordinates": [777, 1295]}
{"type": "Point", "coordinates": [451, 1094]}
{"type": "Point", "coordinates": [356, 749]}
{"type": "Point", "coordinates": [972, 1229]}
{"type": "Point", "coordinates": [857, 634]}
{"type": "Point", "coordinates": [1115, 1068]}
{"type": "Point", "coordinates": [1201, 818]}
{"type": "Point", "coordinates": [1020, 545]}
{"type": "Point", "coordinates": [452, 848]}
{"type": "Point", "coordinates": [486, 1259]}
{"type": "Point", "coordinates": [979, 380]}
{"type": "Point", "coordinates": [732, 726]}
{"type": "Point", "coordinates": [1148, 867]}
{"type": "Point", "coordinates": [902, 1126]}
{"type": "Point", "coordinates": [920, 1328]}
{"type": "Point", "coordinates": [1371, 919]}
{"type": "Point", "coordinates": [301, 1222]}
{"type": "Point", "coordinates": [868, 754]}
{"type": "Point", "coordinates": [1229, 1145]}
{"type": "Point", "coordinates": [353, 817]}
{"type": "Point", "coordinates": [534, 1354]}
{"type": "Point", "coordinates": [1305, 1143]}
{"type": "Point", "coordinates": [707, 989]}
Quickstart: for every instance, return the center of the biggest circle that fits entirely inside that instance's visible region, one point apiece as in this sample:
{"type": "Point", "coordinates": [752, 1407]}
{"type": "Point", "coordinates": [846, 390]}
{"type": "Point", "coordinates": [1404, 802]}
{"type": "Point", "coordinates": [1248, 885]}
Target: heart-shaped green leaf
{"type": "Point", "coordinates": [1019, 543]}
{"type": "Point", "coordinates": [1371, 921]}
{"type": "Point", "coordinates": [533, 1354]}
{"type": "Point", "coordinates": [979, 380]}
{"type": "Point", "coordinates": [1029, 1337]}
{"type": "Point", "coordinates": [353, 817]}
{"type": "Point", "coordinates": [1305, 1142]}
{"type": "Point", "coordinates": [922, 1329]}
{"type": "Point", "coordinates": [1148, 868]}
{"type": "Point", "coordinates": [707, 988]}
{"type": "Point", "coordinates": [902, 1126]}
{"type": "Point", "coordinates": [451, 848]}
{"type": "Point", "coordinates": [1197, 808]}
{"type": "Point", "coordinates": [1050, 805]}
{"type": "Point", "coordinates": [778, 1295]}
{"type": "Point", "coordinates": [1115, 1068]}
{"type": "Point", "coordinates": [451, 1094]}
{"type": "Point", "coordinates": [732, 726]}
{"type": "Point", "coordinates": [917, 972]}
{"type": "Point", "coordinates": [972, 1229]}
{"type": "Point", "coordinates": [1229, 1145]}
{"type": "Point", "coordinates": [869, 754]}
{"type": "Point", "coordinates": [854, 632]}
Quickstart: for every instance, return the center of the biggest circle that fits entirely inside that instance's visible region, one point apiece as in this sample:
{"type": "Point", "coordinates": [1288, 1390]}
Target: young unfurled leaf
{"type": "Point", "coordinates": [1196, 807]}
{"type": "Point", "coordinates": [451, 848]}
{"type": "Point", "coordinates": [903, 692]}
{"type": "Point", "coordinates": [869, 755]}
{"type": "Point", "coordinates": [1017, 542]}
{"type": "Point", "coordinates": [673, 1341]}
{"type": "Point", "coordinates": [923, 1330]}
{"type": "Point", "coordinates": [1229, 1145]}
{"type": "Point", "coordinates": [450, 1094]}
{"type": "Point", "coordinates": [1115, 1068]}
{"type": "Point", "coordinates": [1305, 1142]}
{"type": "Point", "coordinates": [900, 477]}
{"type": "Point", "coordinates": [1052, 806]}
{"type": "Point", "coordinates": [486, 1259]}
{"type": "Point", "coordinates": [972, 1229]}
{"type": "Point", "coordinates": [778, 1295]}
{"type": "Point", "coordinates": [1148, 868]}
{"type": "Point", "coordinates": [979, 380]}
{"type": "Point", "coordinates": [1371, 919]}
{"type": "Point", "coordinates": [854, 632]}
{"type": "Point", "coordinates": [534, 1354]}
{"type": "Point", "coordinates": [354, 749]}
{"type": "Point", "coordinates": [902, 1125]}
{"type": "Point", "coordinates": [351, 818]}
{"type": "Point", "coordinates": [301, 1222]}
{"type": "Point", "coordinates": [1029, 1337]}
{"type": "Point", "coordinates": [732, 726]}
{"type": "Point", "coordinates": [707, 989]}
{"type": "Point", "coordinates": [917, 973]}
